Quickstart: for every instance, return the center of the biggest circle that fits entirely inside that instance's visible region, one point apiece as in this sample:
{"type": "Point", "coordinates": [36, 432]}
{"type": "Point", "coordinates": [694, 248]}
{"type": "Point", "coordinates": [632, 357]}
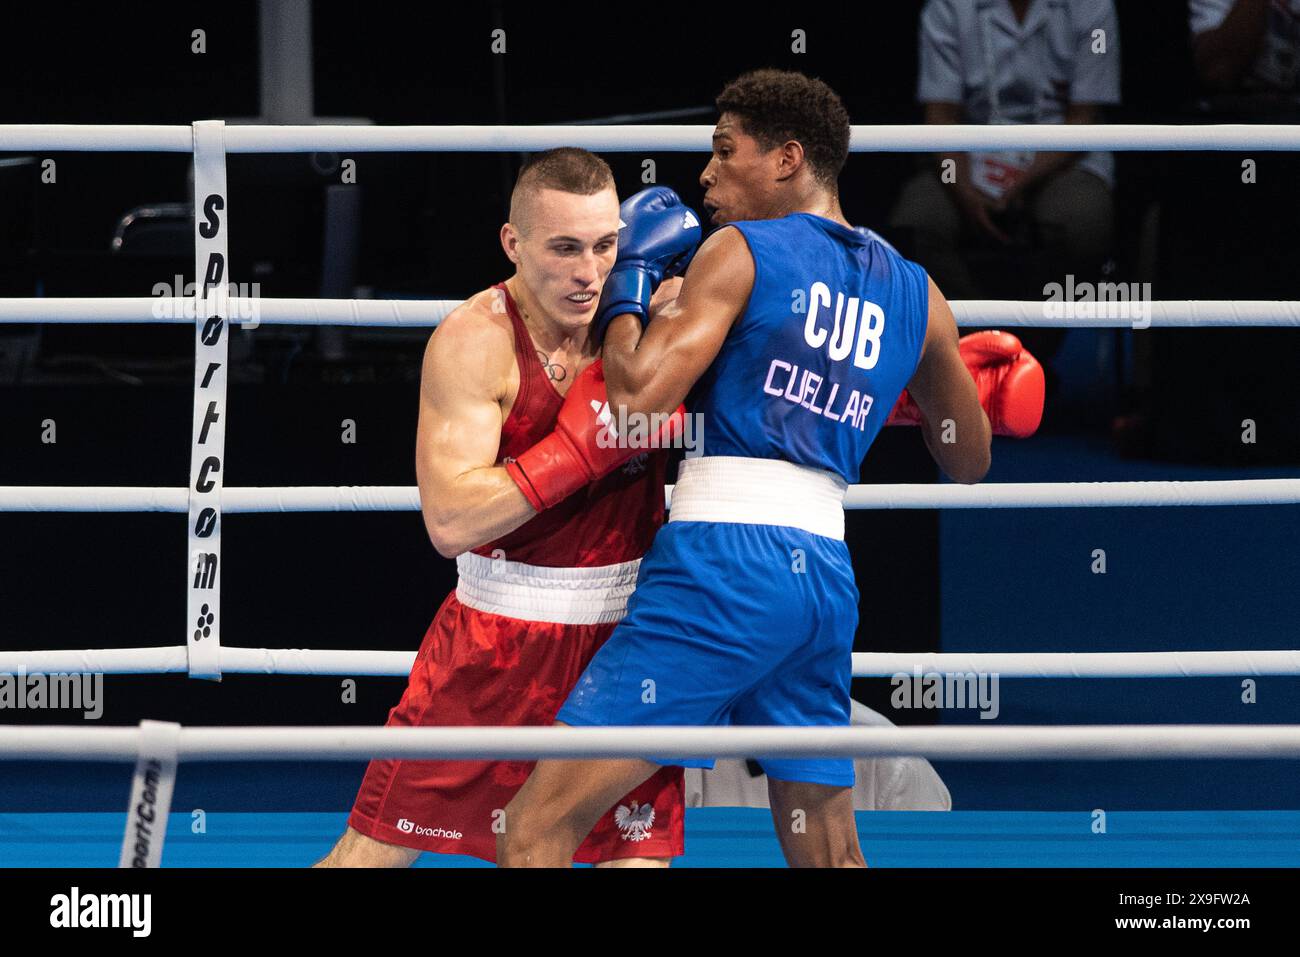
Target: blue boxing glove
{"type": "Point", "coordinates": [656, 241]}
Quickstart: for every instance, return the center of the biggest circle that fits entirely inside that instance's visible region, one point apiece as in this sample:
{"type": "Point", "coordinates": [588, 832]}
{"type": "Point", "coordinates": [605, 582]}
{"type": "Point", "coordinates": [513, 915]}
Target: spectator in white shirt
{"type": "Point", "coordinates": [1014, 61]}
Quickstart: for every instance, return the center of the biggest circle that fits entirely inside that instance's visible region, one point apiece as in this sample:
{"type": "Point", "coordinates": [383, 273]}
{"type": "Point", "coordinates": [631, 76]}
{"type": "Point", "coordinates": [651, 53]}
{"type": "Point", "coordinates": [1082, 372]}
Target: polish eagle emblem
{"type": "Point", "coordinates": [635, 822]}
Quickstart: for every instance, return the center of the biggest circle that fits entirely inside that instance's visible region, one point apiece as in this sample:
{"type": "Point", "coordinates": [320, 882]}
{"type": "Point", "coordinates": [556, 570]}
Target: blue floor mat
{"type": "Point", "coordinates": [725, 837]}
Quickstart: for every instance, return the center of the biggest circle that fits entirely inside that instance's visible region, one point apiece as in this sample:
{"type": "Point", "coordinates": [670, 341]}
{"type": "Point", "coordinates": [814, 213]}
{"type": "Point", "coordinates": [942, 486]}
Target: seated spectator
{"type": "Point", "coordinates": [1014, 61]}
{"type": "Point", "coordinates": [883, 784]}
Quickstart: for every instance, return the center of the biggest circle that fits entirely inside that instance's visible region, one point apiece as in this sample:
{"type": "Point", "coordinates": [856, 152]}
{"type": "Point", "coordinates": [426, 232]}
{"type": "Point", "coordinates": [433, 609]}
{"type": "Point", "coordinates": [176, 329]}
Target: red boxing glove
{"type": "Point", "coordinates": [1009, 381]}
{"type": "Point", "coordinates": [584, 447]}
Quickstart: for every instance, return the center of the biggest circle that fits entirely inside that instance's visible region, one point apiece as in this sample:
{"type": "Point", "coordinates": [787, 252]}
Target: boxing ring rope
{"type": "Point", "coordinates": [406, 498]}
{"type": "Point", "coordinates": [415, 313]}
{"type": "Point", "coordinates": [209, 142]}
{"type": "Point", "coordinates": [1243, 137]}
{"type": "Point", "coordinates": [156, 748]}
{"type": "Point", "coordinates": [973, 743]}
{"type": "Point", "coordinates": [397, 664]}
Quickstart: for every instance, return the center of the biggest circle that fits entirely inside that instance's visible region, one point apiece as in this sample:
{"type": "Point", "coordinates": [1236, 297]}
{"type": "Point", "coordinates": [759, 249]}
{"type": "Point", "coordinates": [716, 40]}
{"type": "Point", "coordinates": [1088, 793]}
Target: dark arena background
{"type": "Point", "coordinates": [1122, 404]}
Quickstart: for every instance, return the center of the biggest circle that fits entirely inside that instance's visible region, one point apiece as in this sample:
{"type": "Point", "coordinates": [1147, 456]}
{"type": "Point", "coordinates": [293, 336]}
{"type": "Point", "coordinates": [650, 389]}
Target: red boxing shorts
{"type": "Point", "coordinates": [480, 667]}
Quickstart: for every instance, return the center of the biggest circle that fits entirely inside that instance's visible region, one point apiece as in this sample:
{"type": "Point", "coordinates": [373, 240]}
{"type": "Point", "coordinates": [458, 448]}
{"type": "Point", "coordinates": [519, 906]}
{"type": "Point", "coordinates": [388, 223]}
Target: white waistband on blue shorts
{"type": "Point", "coordinates": [568, 596]}
{"type": "Point", "coordinates": [725, 488]}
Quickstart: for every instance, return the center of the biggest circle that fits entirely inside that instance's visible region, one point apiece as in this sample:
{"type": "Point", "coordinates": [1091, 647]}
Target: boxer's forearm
{"type": "Point", "coordinates": [961, 449]}
{"type": "Point", "coordinates": [636, 380]}
{"type": "Point", "coordinates": [472, 509]}
{"type": "Point", "coordinates": [627, 368]}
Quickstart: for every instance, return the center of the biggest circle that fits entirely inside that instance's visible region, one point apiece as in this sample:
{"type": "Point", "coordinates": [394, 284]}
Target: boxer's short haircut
{"type": "Point", "coordinates": [567, 169]}
{"type": "Point", "coordinates": [775, 106]}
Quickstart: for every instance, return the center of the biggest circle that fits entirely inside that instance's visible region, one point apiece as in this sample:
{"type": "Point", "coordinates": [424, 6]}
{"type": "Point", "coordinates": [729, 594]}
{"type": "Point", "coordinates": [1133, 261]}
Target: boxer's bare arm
{"type": "Point", "coordinates": [466, 499]}
{"type": "Point", "coordinates": [652, 372]}
{"type": "Point", "coordinates": [943, 389]}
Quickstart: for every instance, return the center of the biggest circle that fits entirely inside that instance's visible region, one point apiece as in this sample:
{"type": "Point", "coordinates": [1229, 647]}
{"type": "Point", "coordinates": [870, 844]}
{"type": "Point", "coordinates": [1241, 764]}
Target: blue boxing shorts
{"type": "Point", "coordinates": [731, 624]}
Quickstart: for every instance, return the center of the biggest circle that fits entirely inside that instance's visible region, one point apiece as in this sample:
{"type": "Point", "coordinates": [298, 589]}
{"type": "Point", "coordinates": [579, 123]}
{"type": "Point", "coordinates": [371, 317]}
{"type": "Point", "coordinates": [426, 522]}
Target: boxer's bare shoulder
{"type": "Point", "coordinates": [473, 350]}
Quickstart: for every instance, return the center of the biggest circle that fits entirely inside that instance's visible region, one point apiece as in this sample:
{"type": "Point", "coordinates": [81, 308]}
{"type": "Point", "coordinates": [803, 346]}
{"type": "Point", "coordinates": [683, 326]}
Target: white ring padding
{"type": "Point", "coordinates": [1076, 494]}
{"type": "Point", "coordinates": [72, 498]}
{"type": "Point", "coordinates": [971, 743]}
{"type": "Point", "coordinates": [1048, 664]}
{"type": "Point", "coordinates": [406, 498]}
{"type": "Point", "coordinates": [418, 313]}
{"type": "Point", "coordinates": [96, 138]}
{"type": "Point", "coordinates": [127, 498]}
{"type": "Point", "coordinates": [300, 661]}
{"type": "Point", "coordinates": [106, 661]}
{"type": "Point", "coordinates": [303, 661]}
{"type": "Point", "coordinates": [897, 138]}
{"type": "Point", "coordinates": [1163, 314]}
{"type": "Point", "coordinates": [415, 313]}
{"type": "Point", "coordinates": [173, 660]}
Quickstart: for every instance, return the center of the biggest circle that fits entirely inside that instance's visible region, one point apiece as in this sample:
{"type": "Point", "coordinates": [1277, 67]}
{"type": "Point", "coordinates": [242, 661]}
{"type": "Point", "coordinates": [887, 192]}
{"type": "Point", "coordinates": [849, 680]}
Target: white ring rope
{"type": "Point", "coordinates": [406, 498]}
{"type": "Point", "coordinates": [172, 660]}
{"type": "Point", "coordinates": [902, 138]}
{"type": "Point", "coordinates": [417, 313]}
{"type": "Point", "coordinates": [397, 664]}
{"type": "Point", "coordinates": [978, 743]}
{"type": "Point", "coordinates": [1095, 664]}
{"type": "Point", "coordinates": [1167, 314]}
{"type": "Point", "coordinates": [101, 661]}
{"type": "Point", "coordinates": [1076, 494]}
{"type": "Point", "coordinates": [253, 139]}
{"type": "Point", "coordinates": [170, 309]}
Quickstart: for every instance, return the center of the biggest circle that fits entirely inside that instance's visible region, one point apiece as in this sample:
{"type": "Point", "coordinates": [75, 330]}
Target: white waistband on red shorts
{"type": "Point", "coordinates": [726, 488]}
{"type": "Point", "coordinates": [568, 596]}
